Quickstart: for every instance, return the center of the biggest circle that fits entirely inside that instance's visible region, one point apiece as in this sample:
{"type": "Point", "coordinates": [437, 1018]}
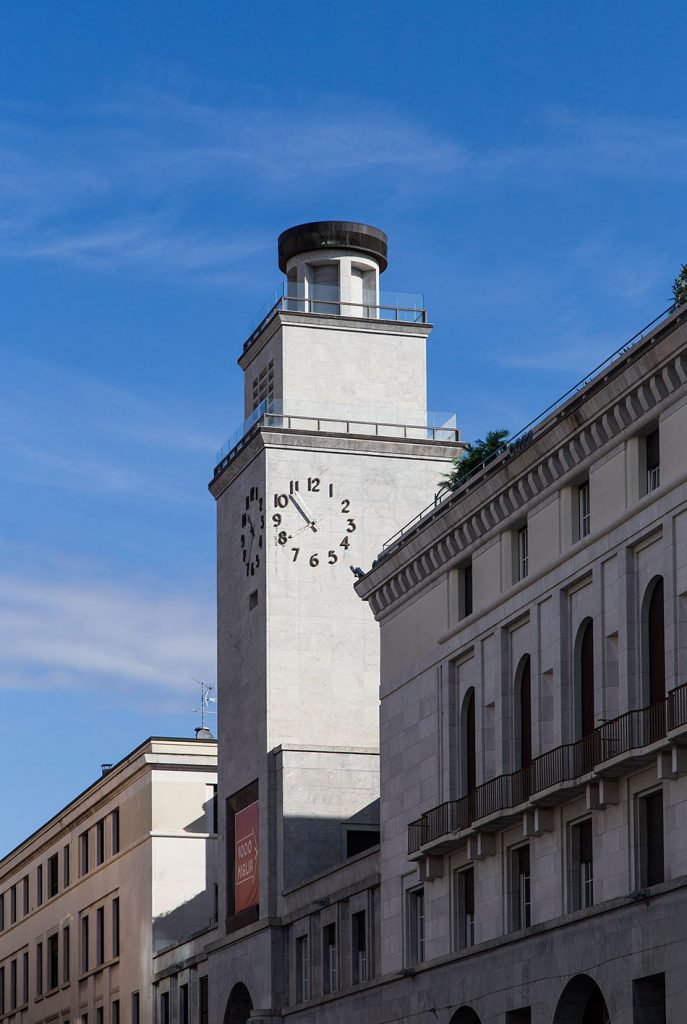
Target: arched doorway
{"type": "Point", "coordinates": [465, 1015]}
{"type": "Point", "coordinates": [239, 1005]}
{"type": "Point", "coordinates": [582, 1002]}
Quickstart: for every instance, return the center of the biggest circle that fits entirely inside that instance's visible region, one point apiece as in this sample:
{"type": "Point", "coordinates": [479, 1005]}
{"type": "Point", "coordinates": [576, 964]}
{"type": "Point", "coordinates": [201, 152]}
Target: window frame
{"type": "Point", "coordinates": [302, 968]}
{"type": "Point", "coordinates": [415, 914]}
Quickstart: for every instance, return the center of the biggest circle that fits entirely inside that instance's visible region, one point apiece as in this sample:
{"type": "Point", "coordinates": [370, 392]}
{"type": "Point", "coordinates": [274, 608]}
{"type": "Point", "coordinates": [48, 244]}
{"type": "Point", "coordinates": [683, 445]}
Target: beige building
{"type": "Point", "coordinates": [88, 899]}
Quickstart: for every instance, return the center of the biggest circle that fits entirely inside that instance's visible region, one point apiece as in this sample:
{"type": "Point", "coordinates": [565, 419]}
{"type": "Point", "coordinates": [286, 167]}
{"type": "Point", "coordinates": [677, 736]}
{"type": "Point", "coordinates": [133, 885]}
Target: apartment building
{"type": "Point", "coordinates": [87, 900]}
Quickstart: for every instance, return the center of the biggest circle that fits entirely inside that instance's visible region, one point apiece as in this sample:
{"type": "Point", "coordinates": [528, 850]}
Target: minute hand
{"type": "Point", "coordinates": [307, 515]}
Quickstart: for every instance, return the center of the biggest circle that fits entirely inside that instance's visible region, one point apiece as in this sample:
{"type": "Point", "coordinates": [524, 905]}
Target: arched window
{"type": "Point", "coordinates": [585, 679]}
{"type": "Point", "coordinates": [581, 1002]}
{"type": "Point", "coordinates": [523, 713]}
{"type": "Point", "coordinates": [654, 637]}
{"type": "Point", "coordinates": [468, 745]}
{"type": "Point", "coordinates": [239, 1005]}
{"type": "Point", "coordinates": [465, 1015]}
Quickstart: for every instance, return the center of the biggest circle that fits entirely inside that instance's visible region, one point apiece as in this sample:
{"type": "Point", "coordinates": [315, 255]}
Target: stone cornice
{"type": "Point", "coordinates": [609, 408]}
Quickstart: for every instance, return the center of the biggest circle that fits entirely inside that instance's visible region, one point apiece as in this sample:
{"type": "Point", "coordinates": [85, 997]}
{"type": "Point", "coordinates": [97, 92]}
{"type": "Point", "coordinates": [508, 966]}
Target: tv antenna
{"type": "Point", "coordinates": [205, 701]}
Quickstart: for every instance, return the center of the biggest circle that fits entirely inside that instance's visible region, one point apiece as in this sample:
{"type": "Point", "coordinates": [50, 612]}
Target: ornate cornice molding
{"type": "Point", "coordinates": [571, 439]}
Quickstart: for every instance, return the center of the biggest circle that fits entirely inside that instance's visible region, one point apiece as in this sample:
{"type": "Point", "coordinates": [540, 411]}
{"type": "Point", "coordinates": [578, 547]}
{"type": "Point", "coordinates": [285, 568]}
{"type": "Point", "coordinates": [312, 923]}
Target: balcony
{"type": "Point", "coordinates": [327, 300]}
{"type": "Point", "coordinates": [611, 750]}
{"type": "Point", "coordinates": [279, 415]}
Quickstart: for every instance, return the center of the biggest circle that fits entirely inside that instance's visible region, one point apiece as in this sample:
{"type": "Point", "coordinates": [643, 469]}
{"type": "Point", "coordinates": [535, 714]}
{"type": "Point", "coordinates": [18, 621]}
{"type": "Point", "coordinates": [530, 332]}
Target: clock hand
{"type": "Point", "coordinates": [309, 526]}
{"type": "Point", "coordinates": [307, 515]}
{"type": "Point", "coordinates": [250, 523]}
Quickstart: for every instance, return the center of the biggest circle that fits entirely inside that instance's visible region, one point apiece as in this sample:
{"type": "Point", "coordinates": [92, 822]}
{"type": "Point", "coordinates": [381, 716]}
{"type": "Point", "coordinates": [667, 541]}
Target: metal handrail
{"type": "Point", "coordinates": [629, 731]}
{"type": "Point", "coordinates": [515, 444]}
{"type": "Point", "coordinates": [303, 304]}
{"type": "Point", "coordinates": [285, 421]}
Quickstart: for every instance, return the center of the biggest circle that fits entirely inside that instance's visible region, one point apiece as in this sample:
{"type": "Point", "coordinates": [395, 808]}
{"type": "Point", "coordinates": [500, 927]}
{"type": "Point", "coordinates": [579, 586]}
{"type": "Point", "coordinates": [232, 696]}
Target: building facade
{"type": "Point", "coordinates": [88, 899]}
{"type": "Point", "coordinates": [452, 778]}
{"type": "Point", "coordinates": [531, 858]}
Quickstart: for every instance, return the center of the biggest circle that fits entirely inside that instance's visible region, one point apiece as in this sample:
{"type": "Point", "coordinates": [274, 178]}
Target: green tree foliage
{"type": "Point", "coordinates": [680, 286]}
{"type": "Point", "coordinates": [474, 455]}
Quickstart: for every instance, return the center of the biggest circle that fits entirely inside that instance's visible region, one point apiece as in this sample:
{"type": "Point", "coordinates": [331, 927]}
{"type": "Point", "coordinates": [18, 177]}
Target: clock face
{"type": "Point", "coordinates": [252, 527]}
{"type": "Point", "coordinates": [313, 523]}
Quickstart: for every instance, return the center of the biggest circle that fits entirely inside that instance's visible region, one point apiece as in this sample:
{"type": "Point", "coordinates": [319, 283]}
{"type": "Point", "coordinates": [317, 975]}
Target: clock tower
{"type": "Point", "coordinates": [336, 454]}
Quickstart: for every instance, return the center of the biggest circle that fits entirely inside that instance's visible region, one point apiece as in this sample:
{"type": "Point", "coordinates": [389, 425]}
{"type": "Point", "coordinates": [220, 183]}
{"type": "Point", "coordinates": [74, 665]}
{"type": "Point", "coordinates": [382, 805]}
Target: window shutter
{"type": "Point", "coordinates": [204, 1009]}
{"type": "Point", "coordinates": [654, 838]}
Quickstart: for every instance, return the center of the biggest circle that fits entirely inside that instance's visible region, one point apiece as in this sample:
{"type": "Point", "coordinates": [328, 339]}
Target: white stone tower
{"type": "Point", "coordinates": [335, 455]}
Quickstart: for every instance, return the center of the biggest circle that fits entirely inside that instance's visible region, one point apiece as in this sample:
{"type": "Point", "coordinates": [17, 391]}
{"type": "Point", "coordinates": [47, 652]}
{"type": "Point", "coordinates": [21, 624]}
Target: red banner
{"type": "Point", "coordinates": [246, 857]}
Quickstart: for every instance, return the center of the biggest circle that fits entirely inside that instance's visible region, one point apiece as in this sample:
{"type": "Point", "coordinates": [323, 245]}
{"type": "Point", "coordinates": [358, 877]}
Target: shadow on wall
{"type": "Point", "coordinates": [199, 912]}
{"type": "Point", "coordinates": [316, 844]}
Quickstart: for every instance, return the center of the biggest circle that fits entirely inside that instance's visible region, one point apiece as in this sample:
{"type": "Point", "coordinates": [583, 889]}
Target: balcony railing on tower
{"type": "Point", "coordinates": [329, 300]}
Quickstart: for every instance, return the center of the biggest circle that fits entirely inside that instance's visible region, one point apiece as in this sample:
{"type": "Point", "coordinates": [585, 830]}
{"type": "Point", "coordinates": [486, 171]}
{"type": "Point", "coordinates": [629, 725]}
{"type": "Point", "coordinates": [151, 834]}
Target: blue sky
{"type": "Point", "coordinates": [527, 160]}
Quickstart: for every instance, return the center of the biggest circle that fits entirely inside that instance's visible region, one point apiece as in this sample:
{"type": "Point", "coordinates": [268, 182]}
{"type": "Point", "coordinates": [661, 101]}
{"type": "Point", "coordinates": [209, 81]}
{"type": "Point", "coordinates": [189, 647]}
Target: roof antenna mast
{"type": "Point", "coordinates": [204, 709]}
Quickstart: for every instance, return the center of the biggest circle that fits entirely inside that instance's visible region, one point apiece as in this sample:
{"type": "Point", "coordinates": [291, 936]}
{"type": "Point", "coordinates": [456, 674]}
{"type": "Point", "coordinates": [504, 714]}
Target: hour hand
{"type": "Point", "coordinates": [300, 505]}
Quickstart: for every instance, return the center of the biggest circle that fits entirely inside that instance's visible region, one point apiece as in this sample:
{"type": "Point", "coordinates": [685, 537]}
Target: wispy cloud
{"type": "Point", "coordinates": [137, 183]}
{"type": "Point", "coordinates": [106, 638]}
{"type": "Point", "coordinates": [79, 433]}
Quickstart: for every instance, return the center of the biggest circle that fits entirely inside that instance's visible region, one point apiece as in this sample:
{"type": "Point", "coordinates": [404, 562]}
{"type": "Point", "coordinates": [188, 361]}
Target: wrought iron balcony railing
{"type": "Point", "coordinates": [572, 761]}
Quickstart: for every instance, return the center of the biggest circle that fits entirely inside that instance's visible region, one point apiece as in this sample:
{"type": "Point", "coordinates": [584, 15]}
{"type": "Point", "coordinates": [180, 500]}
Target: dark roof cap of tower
{"type": "Point", "coordinates": [333, 234]}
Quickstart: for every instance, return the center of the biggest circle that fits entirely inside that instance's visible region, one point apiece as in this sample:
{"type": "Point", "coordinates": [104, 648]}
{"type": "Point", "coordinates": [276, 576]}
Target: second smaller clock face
{"type": "Point", "coordinates": [313, 522]}
{"type": "Point", "coordinates": [252, 524]}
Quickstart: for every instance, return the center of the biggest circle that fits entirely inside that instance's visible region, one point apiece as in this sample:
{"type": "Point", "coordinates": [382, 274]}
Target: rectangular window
{"type": "Point", "coordinates": [360, 964]}
{"type": "Point", "coordinates": [115, 831]}
{"type": "Point", "coordinates": [2, 990]}
{"type": "Point", "coordinates": [203, 1001]}
{"type": "Point", "coordinates": [465, 908]}
{"type": "Point", "coordinates": [584, 516]}
{"type": "Point", "coordinates": [99, 1015]}
{"type": "Point", "coordinates": [65, 867]}
{"type": "Point", "coordinates": [521, 887]}
{"type": "Point", "coordinates": [53, 961]}
{"type": "Point", "coordinates": [329, 959]}
{"type": "Point", "coordinates": [522, 554]}
{"type": "Point", "coordinates": [84, 944]}
{"type": "Point", "coordinates": [100, 936]}
{"type": "Point", "coordinates": [582, 865]}
{"type": "Point", "coordinates": [39, 885]}
{"type": "Point", "coordinates": [302, 969]}
{"type": "Point", "coordinates": [214, 810]}
{"type": "Point", "coordinates": [135, 1008]}
{"type": "Point", "coordinates": [2, 911]}
{"type": "Point", "coordinates": [649, 1000]}
{"type": "Point", "coordinates": [39, 969]}
{"type": "Point", "coordinates": [651, 865]}
{"type": "Point", "coordinates": [164, 1008]}
{"type": "Point", "coordinates": [100, 842]}
{"type": "Point", "coordinates": [25, 978]}
{"type": "Point", "coordinates": [465, 591]}
{"type": "Point", "coordinates": [183, 1004]}
{"type": "Point", "coordinates": [65, 954]}
{"type": "Point", "coordinates": [115, 926]}
{"type": "Point", "coordinates": [13, 985]}
{"type": "Point", "coordinates": [263, 385]}
{"type": "Point", "coordinates": [25, 891]}
{"type": "Point", "coordinates": [416, 926]}
{"type": "Point", "coordinates": [114, 1016]}
{"type": "Point", "coordinates": [53, 876]}
{"type": "Point", "coordinates": [653, 462]}
{"type": "Point", "coordinates": [13, 904]}
{"type": "Point", "coordinates": [83, 853]}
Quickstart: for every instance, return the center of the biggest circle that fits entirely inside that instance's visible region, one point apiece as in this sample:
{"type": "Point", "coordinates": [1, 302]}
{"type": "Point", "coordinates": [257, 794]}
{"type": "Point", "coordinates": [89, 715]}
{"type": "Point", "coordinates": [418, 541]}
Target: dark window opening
{"type": "Point", "coordinates": [649, 1000]}
{"type": "Point", "coordinates": [360, 962]}
{"type": "Point", "coordinates": [656, 645]}
{"type": "Point", "coordinates": [358, 840]}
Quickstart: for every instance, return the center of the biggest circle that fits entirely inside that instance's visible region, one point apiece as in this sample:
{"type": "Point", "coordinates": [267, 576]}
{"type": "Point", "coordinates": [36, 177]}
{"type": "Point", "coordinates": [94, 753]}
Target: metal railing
{"type": "Point", "coordinates": [630, 731]}
{"type": "Point", "coordinates": [274, 413]}
{"type": "Point", "coordinates": [517, 443]}
{"type": "Point", "coordinates": [401, 307]}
